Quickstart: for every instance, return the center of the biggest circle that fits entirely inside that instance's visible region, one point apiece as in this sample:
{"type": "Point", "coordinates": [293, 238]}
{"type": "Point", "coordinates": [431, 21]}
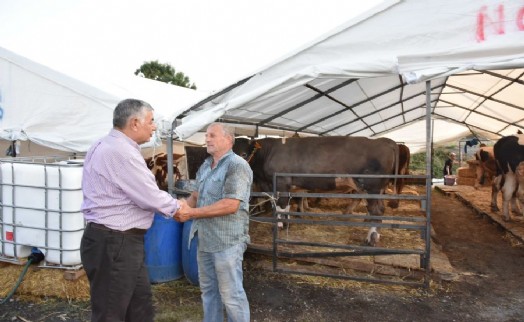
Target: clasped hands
{"type": "Point", "coordinates": [183, 213]}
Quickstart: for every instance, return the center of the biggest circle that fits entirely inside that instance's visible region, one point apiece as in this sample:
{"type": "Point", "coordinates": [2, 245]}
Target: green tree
{"type": "Point", "coordinates": [440, 155]}
{"type": "Point", "coordinates": [164, 73]}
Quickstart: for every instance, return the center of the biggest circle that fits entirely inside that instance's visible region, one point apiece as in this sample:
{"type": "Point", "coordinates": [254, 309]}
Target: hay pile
{"type": "Point", "coordinates": [261, 233]}
{"type": "Point", "coordinates": [42, 283]}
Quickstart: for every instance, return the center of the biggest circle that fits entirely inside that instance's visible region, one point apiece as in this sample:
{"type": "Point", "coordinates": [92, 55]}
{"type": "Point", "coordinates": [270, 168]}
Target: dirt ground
{"type": "Point", "coordinates": [488, 285]}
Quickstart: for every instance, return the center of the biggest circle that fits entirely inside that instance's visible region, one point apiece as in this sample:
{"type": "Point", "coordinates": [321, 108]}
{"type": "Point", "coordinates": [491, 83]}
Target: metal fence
{"type": "Point", "coordinates": [320, 251]}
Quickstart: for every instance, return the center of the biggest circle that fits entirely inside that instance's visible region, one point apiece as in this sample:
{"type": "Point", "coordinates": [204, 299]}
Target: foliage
{"type": "Point", "coordinates": [440, 155]}
{"type": "Point", "coordinates": [164, 73]}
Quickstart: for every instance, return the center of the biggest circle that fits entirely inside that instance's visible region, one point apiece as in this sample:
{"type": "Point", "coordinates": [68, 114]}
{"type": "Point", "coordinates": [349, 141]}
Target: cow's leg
{"type": "Point", "coordinates": [353, 203]}
{"type": "Point", "coordinates": [303, 205]}
{"type": "Point", "coordinates": [479, 177]}
{"type": "Point", "coordinates": [279, 216]}
{"type": "Point", "coordinates": [519, 193]}
{"type": "Point", "coordinates": [496, 186]}
{"type": "Point", "coordinates": [283, 205]}
{"type": "Point", "coordinates": [508, 190]}
{"type": "Point", "coordinates": [393, 203]}
{"type": "Point", "coordinates": [375, 208]}
{"type": "Point", "coordinates": [515, 209]}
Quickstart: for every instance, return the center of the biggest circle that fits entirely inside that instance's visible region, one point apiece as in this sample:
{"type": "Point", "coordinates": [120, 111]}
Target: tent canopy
{"type": "Point", "coordinates": [367, 77]}
{"type": "Point", "coordinates": [55, 110]}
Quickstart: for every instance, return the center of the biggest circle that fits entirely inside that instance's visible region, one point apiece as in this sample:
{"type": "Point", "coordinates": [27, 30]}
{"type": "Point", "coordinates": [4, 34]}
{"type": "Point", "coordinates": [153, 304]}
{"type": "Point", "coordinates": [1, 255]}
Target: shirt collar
{"type": "Point", "coordinates": [209, 160]}
{"type": "Point", "coordinates": [119, 134]}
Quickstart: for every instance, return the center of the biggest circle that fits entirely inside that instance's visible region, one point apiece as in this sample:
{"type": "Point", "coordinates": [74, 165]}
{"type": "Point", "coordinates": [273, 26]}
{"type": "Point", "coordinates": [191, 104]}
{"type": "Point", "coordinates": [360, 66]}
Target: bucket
{"type": "Point", "coordinates": [162, 244]}
{"type": "Point", "coordinates": [189, 256]}
{"type": "Point", "coordinates": [449, 180]}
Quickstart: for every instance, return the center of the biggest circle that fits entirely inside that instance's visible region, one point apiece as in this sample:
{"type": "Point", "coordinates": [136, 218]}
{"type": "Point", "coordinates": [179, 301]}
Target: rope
{"type": "Point", "coordinates": [270, 199]}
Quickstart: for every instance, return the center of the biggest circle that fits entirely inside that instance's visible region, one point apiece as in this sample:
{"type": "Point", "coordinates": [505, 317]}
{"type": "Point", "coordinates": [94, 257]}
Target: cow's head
{"type": "Point", "coordinates": [246, 148]}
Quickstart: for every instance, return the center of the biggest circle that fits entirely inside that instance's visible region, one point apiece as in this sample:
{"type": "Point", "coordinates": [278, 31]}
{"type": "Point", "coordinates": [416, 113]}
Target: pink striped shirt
{"type": "Point", "coordinates": [120, 192]}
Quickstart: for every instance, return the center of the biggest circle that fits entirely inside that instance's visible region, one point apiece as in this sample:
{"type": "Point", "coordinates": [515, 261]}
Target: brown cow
{"type": "Point", "coordinates": [326, 155]}
{"type": "Point", "coordinates": [347, 185]}
{"type": "Point", "coordinates": [486, 165]}
{"type": "Point", "coordinates": [158, 165]}
{"type": "Point", "coordinates": [487, 170]}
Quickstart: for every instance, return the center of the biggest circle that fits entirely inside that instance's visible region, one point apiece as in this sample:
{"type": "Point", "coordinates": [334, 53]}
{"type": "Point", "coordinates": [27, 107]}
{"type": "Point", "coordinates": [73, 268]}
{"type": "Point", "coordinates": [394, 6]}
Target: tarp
{"type": "Point", "coordinates": [62, 112]}
{"type": "Point", "coordinates": [368, 76]}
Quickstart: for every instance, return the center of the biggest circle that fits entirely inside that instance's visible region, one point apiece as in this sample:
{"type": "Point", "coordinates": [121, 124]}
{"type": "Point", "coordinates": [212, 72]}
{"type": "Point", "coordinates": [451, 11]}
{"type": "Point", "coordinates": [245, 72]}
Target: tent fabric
{"type": "Point", "coordinates": [367, 77]}
{"type": "Point", "coordinates": [56, 110]}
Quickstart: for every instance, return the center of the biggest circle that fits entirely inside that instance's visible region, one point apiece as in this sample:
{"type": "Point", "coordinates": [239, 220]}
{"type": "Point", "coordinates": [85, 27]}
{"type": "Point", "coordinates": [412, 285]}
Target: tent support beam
{"type": "Point", "coordinates": [212, 97]}
{"type": "Point", "coordinates": [482, 114]}
{"type": "Point", "coordinates": [512, 81]}
{"type": "Point", "coordinates": [170, 161]}
{"type": "Point", "coordinates": [429, 175]}
{"type": "Point", "coordinates": [345, 106]}
{"type": "Point", "coordinates": [351, 107]}
{"type": "Point", "coordinates": [401, 100]}
{"type": "Point", "coordinates": [465, 124]}
{"type": "Point", "coordinates": [390, 118]}
{"type": "Point", "coordinates": [486, 97]}
{"type": "Point", "coordinates": [309, 100]}
{"type": "Point", "coordinates": [382, 109]}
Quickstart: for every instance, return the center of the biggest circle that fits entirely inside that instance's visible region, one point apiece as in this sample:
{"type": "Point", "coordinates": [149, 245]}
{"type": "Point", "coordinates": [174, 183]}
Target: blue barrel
{"type": "Point", "coordinates": [162, 244]}
{"type": "Point", "coordinates": [189, 255]}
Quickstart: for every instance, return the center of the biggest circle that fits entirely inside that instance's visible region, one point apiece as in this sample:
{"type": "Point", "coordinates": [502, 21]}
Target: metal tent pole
{"type": "Point", "coordinates": [170, 182]}
{"type": "Point", "coordinates": [429, 162]}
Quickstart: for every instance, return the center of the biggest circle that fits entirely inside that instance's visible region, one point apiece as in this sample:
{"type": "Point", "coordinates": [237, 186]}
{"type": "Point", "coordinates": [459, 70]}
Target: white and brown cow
{"type": "Point", "coordinates": [509, 154]}
{"type": "Point", "coordinates": [486, 169]}
{"type": "Point", "coordinates": [326, 155]}
{"type": "Point", "coordinates": [486, 165]}
{"type": "Point", "coordinates": [158, 165]}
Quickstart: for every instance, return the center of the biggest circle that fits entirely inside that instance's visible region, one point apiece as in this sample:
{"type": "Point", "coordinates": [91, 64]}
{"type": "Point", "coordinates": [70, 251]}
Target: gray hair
{"type": "Point", "coordinates": [228, 131]}
{"type": "Point", "coordinates": [129, 108]}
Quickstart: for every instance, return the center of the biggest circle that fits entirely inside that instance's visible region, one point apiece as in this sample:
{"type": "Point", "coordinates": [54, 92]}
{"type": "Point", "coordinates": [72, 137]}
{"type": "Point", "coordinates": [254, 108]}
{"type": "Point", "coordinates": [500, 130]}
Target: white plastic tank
{"type": "Point", "coordinates": [41, 204]}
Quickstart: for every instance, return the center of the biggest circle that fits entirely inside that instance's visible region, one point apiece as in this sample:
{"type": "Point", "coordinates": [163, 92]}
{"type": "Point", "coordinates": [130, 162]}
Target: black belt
{"type": "Point", "coordinates": [132, 231]}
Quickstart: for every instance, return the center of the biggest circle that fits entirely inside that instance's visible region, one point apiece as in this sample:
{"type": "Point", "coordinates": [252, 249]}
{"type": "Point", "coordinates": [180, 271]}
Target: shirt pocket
{"type": "Point", "coordinates": [215, 187]}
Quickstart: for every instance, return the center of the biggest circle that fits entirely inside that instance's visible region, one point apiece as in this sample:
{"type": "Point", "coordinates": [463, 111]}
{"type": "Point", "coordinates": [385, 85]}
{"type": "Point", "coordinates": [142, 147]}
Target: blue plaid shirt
{"type": "Point", "coordinates": [231, 179]}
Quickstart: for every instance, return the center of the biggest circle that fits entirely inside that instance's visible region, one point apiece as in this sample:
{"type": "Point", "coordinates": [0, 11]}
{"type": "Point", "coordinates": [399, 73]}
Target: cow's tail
{"type": "Point", "coordinates": [397, 161]}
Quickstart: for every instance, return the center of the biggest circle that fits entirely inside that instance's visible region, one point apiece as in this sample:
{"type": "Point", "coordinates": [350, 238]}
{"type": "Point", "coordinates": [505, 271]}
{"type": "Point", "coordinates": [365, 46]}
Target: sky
{"type": "Point", "coordinates": [213, 42]}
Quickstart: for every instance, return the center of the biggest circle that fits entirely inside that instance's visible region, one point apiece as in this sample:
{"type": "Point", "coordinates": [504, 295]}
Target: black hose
{"type": "Point", "coordinates": [35, 257]}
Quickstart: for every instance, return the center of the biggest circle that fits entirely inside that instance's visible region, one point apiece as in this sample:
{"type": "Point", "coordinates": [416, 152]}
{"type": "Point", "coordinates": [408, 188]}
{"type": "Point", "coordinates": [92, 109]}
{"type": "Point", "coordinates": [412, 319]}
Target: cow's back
{"type": "Point", "coordinates": [327, 155]}
{"type": "Point", "coordinates": [509, 152]}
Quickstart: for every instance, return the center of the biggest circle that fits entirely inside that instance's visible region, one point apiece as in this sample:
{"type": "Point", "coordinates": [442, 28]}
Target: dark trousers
{"type": "Point", "coordinates": [119, 285]}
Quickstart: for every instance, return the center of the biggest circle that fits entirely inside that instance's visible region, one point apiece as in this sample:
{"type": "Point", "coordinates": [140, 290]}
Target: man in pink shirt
{"type": "Point", "coordinates": [120, 199]}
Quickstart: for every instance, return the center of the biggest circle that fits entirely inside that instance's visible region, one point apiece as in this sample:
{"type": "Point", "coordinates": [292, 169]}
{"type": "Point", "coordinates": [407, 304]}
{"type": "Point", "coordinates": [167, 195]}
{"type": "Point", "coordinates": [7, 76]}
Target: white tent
{"type": "Point", "coordinates": [58, 111]}
{"type": "Point", "coordinates": [367, 77]}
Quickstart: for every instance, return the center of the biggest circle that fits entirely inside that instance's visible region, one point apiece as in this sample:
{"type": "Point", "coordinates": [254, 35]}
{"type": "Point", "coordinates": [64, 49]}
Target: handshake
{"type": "Point", "coordinates": [183, 213]}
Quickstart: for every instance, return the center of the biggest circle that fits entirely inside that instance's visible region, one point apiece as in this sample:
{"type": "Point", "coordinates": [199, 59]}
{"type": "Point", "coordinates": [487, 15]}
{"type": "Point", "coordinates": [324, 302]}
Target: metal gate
{"type": "Point", "coordinates": [318, 251]}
